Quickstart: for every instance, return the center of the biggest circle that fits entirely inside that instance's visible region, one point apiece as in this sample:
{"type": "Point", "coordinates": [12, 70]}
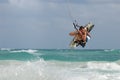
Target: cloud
{"type": "Point", "coordinates": [34, 22]}
{"type": "Point", "coordinates": [26, 4]}
{"type": "Point", "coordinates": [3, 1]}
{"type": "Point", "coordinates": [103, 1]}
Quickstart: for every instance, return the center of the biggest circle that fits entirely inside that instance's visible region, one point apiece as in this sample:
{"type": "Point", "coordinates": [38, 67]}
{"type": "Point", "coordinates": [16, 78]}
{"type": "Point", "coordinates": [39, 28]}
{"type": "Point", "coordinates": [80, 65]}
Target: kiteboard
{"type": "Point", "coordinates": [74, 44]}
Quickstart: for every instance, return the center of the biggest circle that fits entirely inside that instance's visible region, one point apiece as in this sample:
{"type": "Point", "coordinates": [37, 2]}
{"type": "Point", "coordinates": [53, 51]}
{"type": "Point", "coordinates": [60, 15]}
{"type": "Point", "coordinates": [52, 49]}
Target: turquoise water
{"type": "Point", "coordinates": [59, 64]}
{"type": "Point", "coordinates": [60, 54]}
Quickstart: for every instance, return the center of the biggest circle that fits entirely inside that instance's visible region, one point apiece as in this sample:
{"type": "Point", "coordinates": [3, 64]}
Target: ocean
{"type": "Point", "coordinates": [59, 64]}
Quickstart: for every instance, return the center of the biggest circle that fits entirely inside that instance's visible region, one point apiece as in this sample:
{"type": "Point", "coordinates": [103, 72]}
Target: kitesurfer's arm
{"type": "Point", "coordinates": [74, 33]}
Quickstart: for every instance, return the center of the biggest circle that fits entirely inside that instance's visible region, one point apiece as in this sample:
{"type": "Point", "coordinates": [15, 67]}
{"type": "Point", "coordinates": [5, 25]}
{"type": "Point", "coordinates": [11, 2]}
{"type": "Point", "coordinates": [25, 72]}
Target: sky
{"type": "Point", "coordinates": [46, 24]}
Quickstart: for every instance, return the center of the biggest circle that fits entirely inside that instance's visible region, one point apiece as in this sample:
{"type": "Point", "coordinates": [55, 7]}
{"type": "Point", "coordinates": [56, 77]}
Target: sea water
{"type": "Point", "coordinates": [59, 64]}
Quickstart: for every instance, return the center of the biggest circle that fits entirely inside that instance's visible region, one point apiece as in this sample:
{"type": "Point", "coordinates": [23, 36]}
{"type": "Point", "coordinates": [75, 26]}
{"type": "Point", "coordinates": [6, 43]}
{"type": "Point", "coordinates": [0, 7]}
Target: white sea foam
{"type": "Point", "coordinates": [17, 70]}
{"type": "Point", "coordinates": [108, 50]}
{"type": "Point", "coordinates": [103, 65]}
{"type": "Point", "coordinates": [57, 70]}
{"type": "Point", "coordinates": [28, 51]}
{"type": "Point", "coordinates": [7, 49]}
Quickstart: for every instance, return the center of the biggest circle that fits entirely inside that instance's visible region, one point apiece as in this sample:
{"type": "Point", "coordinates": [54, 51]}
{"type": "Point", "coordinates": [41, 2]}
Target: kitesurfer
{"type": "Point", "coordinates": [81, 34]}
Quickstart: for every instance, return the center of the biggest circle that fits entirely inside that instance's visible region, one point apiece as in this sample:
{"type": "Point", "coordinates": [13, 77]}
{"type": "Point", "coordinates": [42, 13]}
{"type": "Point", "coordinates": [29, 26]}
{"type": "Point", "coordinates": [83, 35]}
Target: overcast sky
{"type": "Point", "coordinates": [46, 24]}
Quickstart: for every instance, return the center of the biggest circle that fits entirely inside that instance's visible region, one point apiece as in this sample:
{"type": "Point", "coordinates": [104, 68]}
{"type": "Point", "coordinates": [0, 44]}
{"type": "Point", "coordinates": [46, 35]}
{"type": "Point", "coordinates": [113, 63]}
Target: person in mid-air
{"type": "Point", "coordinates": [81, 34]}
{"type": "Point", "coordinates": [84, 34]}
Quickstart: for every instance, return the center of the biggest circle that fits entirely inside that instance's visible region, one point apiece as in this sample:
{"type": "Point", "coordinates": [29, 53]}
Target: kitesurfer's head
{"type": "Point", "coordinates": [81, 27]}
